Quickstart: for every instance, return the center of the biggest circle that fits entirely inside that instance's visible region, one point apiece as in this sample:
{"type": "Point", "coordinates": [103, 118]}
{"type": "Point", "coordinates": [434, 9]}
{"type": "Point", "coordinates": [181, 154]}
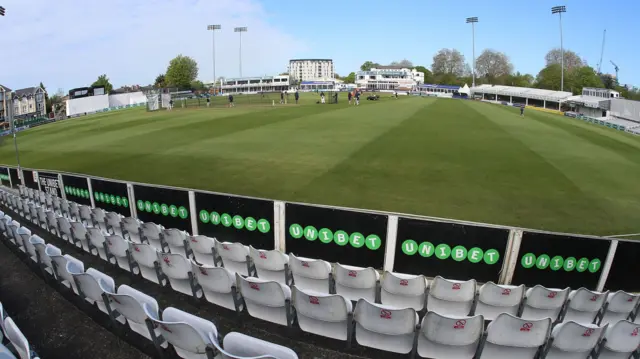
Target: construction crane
{"type": "Point", "coordinates": [602, 50]}
{"type": "Point", "coordinates": [616, 68]}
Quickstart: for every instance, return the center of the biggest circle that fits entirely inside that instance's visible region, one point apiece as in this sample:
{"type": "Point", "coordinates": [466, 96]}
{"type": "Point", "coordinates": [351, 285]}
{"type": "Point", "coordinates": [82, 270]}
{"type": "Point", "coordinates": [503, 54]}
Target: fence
{"type": "Point", "coordinates": [382, 240]}
{"type": "Point", "coordinates": [258, 99]}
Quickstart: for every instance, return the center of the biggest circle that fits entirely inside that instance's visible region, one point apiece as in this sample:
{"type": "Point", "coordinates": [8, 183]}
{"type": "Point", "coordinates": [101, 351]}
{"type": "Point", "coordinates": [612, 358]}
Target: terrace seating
{"type": "Point", "coordinates": [443, 337]}
{"type": "Point", "coordinates": [494, 299]}
{"type": "Point", "coordinates": [541, 302]}
{"type": "Point", "coordinates": [510, 337]}
{"type": "Point", "coordinates": [240, 346]}
{"type": "Point", "coordinates": [130, 228]}
{"type": "Point", "coordinates": [328, 315]}
{"type": "Point", "coordinates": [151, 233]}
{"type": "Point", "coordinates": [218, 285]}
{"type": "Point", "coordinates": [573, 340]}
{"type": "Point", "coordinates": [311, 274]}
{"type": "Point", "coordinates": [270, 265]}
{"type": "Point", "coordinates": [18, 340]}
{"type": "Point", "coordinates": [266, 300]}
{"type": "Point", "coordinates": [65, 266]}
{"type": "Point", "coordinates": [177, 268]}
{"type": "Point", "coordinates": [619, 306]}
{"type": "Point", "coordinates": [620, 340]}
{"type": "Point", "coordinates": [451, 297]}
{"type": "Point", "coordinates": [176, 240]}
{"type": "Point", "coordinates": [234, 256]}
{"type": "Point", "coordinates": [584, 305]}
{"type": "Point", "coordinates": [385, 328]}
{"type": "Point", "coordinates": [354, 283]}
{"type": "Point", "coordinates": [202, 249]}
{"type": "Point", "coordinates": [128, 303]}
{"type": "Point", "coordinates": [92, 284]}
{"type": "Point", "coordinates": [404, 290]}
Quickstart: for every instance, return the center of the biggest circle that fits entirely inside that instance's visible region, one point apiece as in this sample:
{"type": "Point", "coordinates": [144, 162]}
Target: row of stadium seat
{"type": "Point", "coordinates": [392, 325]}
{"type": "Point", "coordinates": [16, 343]}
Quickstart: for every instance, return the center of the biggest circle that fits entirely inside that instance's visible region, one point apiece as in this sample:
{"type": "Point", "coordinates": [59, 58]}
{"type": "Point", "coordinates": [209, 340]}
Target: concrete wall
{"type": "Point", "coordinates": [627, 109]}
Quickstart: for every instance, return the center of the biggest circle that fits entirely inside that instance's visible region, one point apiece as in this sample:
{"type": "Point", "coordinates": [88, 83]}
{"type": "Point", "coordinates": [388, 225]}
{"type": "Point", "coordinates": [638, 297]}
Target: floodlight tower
{"type": "Point", "coordinates": [473, 21]}
{"type": "Point", "coordinates": [213, 29]}
{"type": "Point", "coordinates": [240, 30]}
{"type": "Point", "coordinates": [559, 10]}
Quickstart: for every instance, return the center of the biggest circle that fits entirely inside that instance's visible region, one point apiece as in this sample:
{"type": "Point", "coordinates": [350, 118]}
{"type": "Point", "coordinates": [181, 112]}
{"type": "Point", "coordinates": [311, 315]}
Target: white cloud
{"type": "Point", "coordinates": [68, 43]}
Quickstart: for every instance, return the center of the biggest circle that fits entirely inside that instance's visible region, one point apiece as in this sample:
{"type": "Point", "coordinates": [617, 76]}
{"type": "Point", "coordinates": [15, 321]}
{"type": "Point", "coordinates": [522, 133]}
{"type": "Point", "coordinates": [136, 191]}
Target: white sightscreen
{"type": "Point", "coordinates": [626, 109]}
{"type": "Point", "coordinates": [124, 99]}
{"type": "Point", "coordinates": [79, 106]}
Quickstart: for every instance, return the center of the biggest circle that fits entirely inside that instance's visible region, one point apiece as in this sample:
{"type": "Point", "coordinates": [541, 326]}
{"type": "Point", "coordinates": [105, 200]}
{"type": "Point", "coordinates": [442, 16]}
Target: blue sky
{"type": "Point", "coordinates": [69, 43]}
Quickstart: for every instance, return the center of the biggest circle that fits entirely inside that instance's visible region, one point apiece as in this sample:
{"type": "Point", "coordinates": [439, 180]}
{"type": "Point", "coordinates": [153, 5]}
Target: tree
{"type": "Point", "coordinates": [103, 81]}
{"type": "Point", "coordinates": [47, 101]}
{"type": "Point", "coordinates": [428, 76]}
{"type": "Point", "coordinates": [448, 61]}
{"type": "Point", "coordinates": [517, 79]}
{"type": "Point", "coordinates": [404, 63]}
{"type": "Point", "coordinates": [571, 59]}
{"type": "Point", "coordinates": [160, 81]}
{"type": "Point", "coordinates": [584, 76]}
{"type": "Point", "coordinates": [609, 81]}
{"type": "Point", "coordinates": [549, 78]}
{"type": "Point", "coordinates": [197, 85]}
{"type": "Point", "coordinates": [368, 65]}
{"type": "Point", "coordinates": [493, 64]}
{"type": "Point", "coordinates": [350, 79]}
{"type": "Point", "coordinates": [181, 71]}
{"type": "Point", "coordinates": [284, 74]}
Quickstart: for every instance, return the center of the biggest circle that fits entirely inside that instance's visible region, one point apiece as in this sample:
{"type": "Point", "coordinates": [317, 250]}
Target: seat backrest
{"type": "Point", "coordinates": [113, 219]}
{"type": "Point", "coordinates": [49, 250]}
{"type": "Point", "coordinates": [272, 260]}
{"type": "Point", "coordinates": [500, 295]}
{"type": "Point", "coordinates": [174, 237]}
{"type": "Point", "coordinates": [546, 298]}
{"type": "Point", "coordinates": [98, 214]}
{"type": "Point", "coordinates": [507, 330]}
{"type": "Point", "coordinates": [215, 279]}
{"type": "Point", "coordinates": [586, 300]}
{"type": "Point", "coordinates": [238, 345]}
{"type": "Point", "coordinates": [85, 212]}
{"type": "Point", "coordinates": [74, 265]}
{"type": "Point", "coordinates": [24, 233]}
{"type": "Point", "coordinates": [266, 293]}
{"type": "Point", "coordinates": [174, 265]}
{"type": "Point", "coordinates": [131, 225]}
{"type": "Point", "coordinates": [17, 339]}
{"type": "Point", "coordinates": [404, 284]}
{"type": "Point", "coordinates": [64, 226]}
{"type": "Point", "coordinates": [384, 319]}
{"type": "Point", "coordinates": [33, 240]}
{"type": "Point", "coordinates": [309, 268]}
{"type": "Point", "coordinates": [452, 290]}
{"type": "Point", "coordinates": [151, 230]}
{"type": "Point", "coordinates": [79, 230]}
{"type": "Point", "coordinates": [454, 331]}
{"type": "Point", "coordinates": [96, 236]}
{"type": "Point", "coordinates": [236, 252]}
{"type": "Point", "coordinates": [187, 331]}
{"type": "Point", "coordinates": [129, 302]}
{"type": "Point", "coordinates": [144, 254]}
{"type": "Point", "coordinates": [622, 302]}
{"type": "Point", "coordinates": [574, 337]}
{"type": "Point", "coordinates": [93, 283]}
{"type": "Point", "coordinates": [201, 244]}
{"type": "Point", "coordinates": [117, 245]}
{"type": "Point", "coordinates": [320, 306]}
{"type": "Point", "coordinates": [355, 277]}
{"type": "Point", "coordinates": [623, 336]}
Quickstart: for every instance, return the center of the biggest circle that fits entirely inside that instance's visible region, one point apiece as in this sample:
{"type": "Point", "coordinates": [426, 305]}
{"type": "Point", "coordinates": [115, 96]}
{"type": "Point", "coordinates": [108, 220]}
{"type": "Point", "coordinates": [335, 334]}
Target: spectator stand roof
{"type": "Point", "coordinates": [524, 92]}
{"type": "Point", "coordinates": [446, 87]}
{"type": "Point", "coordinates": [589, 101]}
{"type": "Point", "coordinates": [317, 82]}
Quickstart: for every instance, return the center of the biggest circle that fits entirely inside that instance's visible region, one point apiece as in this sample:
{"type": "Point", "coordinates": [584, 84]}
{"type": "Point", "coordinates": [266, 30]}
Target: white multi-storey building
{"type": "Point", "coordinates": [389, 78]}
{"type": "Point", "coordinates": [311, 69]}
{"type": "Point", "coordinates": [255, 84]}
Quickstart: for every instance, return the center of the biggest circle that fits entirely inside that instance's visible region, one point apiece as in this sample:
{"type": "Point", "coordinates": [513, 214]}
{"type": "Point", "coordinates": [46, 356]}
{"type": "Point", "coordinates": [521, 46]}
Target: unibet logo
{"type": "Point", "coordinates": [162, 209]}
{"type": "Point", "coordinates": [4, 177]}
{"type": "Point", "coordinates": [444, 251]}
{"type": "Point", "coordinates": [341, 238]}
{"type": "Point", "coordinates": [227, 220]}
{"type": "Point", "coordinates": [103, 197]}
{"type": "Point", "coordinates": [78, 192]}
{"type": "Point", "coordinates": [556, 263]}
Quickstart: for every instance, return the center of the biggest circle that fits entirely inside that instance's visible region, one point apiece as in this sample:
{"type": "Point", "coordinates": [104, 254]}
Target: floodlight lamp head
{"type": "Point", "coordinates": [558, 9]}
{"type": "Point", "coordinates": [240, 29]}
{"type": "Point", "coordinates": [472, 19]}
{"type": "Point", "coordinates": [214, 27]}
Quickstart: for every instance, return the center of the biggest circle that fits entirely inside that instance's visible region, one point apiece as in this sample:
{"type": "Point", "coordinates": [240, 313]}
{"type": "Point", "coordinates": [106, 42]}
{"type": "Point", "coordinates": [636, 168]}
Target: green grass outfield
{"type": "Point", "coordinates": [438, 157]}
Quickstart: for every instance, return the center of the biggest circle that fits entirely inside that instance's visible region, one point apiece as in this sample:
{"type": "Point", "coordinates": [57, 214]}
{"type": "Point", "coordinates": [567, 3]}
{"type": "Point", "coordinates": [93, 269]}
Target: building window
{"type": "Point", "coordinates": [24, 109]}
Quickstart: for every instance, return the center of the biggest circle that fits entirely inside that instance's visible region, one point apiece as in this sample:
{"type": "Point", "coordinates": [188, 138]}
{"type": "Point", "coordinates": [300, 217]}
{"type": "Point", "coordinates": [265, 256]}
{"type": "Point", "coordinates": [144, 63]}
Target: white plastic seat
{"type": "Point", "coordinates": [4, 223]}
{"type": "Point", "coordinates": [151, 232]}
{"type": "Point", "coordinates": [188, 334]}
{"type": "Point", "coordinates": [509, 337]}
{"type": "Point", "coordinates": [266, 300]}
{"type": "Point", "coordinates": [385, 328]}
{"type": "Point", "coordinates": [57, 206]}
{"type": "Point", "coordinates": [175, 239]}
{"type": "Point", "coordinates": [17, 339]}
{"type": "Point", "coordinates": [146, 256]}
{"type": "Point", "coordinates": [74, 211]}
{"type": "Point", "coordinates": [328, 315]}
{"type": "Point", "coordinates": [310, 274]}
{"type": "Point", "coordinates": [52, 222]}
{"type": "Point", "coordinates": [96, 238]}
{"type": "Point", "coordinates": [46, 253]}
{"type": "Point", "coordinates": [541, 302]}
{"type": "Point", "coordinates": [240, 346]}
{"type": "Point", "coordinates": [79, 235]}
{"type": "Point", "coordinates": [443, 337]}
{"type": "Point", "coordinates": [233, 255]}
{"type": "Point", "coordinates": [119, 247]}
{"type": "Point", "coordinates": [130, 228]}
{"type": "Point", "coordinates": [98, 216]}
{"type": "Point", "coordinates": [33, 213]}
{"type": "Point", "coordinates": [494, 299]}
{"type": "Point", "coordinates": [202, 249]}
{"type": "Point", "coordinates": [85, 213]}
{"type": "Point", "coordinates": [92, 284]}
{"type": "Point", "coordinates": [571, 340]}
{"type": "Point", "coordinates": [112, 221]}
{"type": "Point", "coordinates": [218, 285]}
{"type": "Point", "coordinates": [451, 297]}
{"type": "Point", "coordinates": [356, 282]}
{"type": "Point", "coordinates": [42, 217]}
{"type": "Point", "coordinates": [23, 235]}
{"type": "Point", "coordinates": [64, 228]}
{"type": "Point", "coordinates": [270, 265]}
{"type": "Point", "coordinates": [403, 290]}
{"type": "Point", "coordinates": [620, 340]}
{"type": "Point", "coordinates": [65, 208]}
{"type": "Point", "coordinates": [619, 306]}
{"type": "Point", "coordinates": [12, 229]}
{"type": "Point", "coordinates": [30, 246]}
{"type": "Point", "coordinates": [177, 269]}
{"type": "Point", "coordinates": [67, 266]}
{"type": "Point", "coordinates": [128, 302]}
{"type": "Point", "coordinates": [584, 305]}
